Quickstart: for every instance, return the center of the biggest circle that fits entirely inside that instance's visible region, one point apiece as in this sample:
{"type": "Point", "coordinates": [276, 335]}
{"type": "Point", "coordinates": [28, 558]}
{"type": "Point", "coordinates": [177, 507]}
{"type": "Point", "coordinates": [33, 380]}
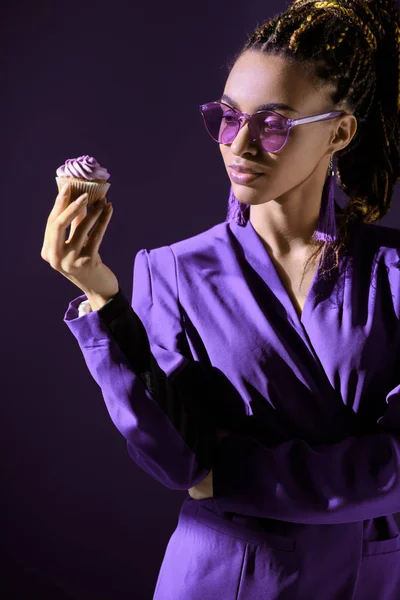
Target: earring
{"type": "Point", "coordinates": [237, 212]}
{"type": "Point", "coordinates": [326, 230]}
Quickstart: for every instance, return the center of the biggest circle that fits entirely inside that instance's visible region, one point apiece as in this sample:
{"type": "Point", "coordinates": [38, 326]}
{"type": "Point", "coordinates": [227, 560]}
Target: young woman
{"type": "Point", "coordinates": [257, 364]}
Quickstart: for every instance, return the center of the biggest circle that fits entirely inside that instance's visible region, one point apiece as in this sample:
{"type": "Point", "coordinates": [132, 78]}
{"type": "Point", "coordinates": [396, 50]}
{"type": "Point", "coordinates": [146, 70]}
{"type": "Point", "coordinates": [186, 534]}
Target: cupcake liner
{"type": "Point", "coordinates": [93, 188]}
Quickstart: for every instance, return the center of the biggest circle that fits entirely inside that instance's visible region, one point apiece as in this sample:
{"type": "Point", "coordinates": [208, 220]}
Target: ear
{"type": "Point", "coordinates": [344, 132]}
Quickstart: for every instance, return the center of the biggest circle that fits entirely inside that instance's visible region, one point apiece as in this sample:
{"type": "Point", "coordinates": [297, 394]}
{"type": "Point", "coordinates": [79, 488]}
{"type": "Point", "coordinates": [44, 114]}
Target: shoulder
{"type": "Point", "coordinates": [380, 242]}
{"type": "Point", "coordinates": [189, 257]}
{"type": "Point", "coordinates": [203, 242]}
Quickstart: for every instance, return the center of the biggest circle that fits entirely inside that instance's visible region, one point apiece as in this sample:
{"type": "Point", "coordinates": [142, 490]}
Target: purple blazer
{"type": "Point", "coordinates": [307, 484]}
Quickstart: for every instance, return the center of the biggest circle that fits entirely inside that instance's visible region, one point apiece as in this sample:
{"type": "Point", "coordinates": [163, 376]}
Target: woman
{"type": "Point", "coordinates": [257, 364]}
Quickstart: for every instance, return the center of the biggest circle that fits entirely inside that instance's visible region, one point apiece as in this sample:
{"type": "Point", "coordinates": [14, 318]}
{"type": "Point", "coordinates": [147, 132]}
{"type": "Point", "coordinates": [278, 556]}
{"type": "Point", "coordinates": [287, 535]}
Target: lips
{"type": "Point", "coordinates": [246, 177]}
{"type": "Point", "coordinates": [241, 169]}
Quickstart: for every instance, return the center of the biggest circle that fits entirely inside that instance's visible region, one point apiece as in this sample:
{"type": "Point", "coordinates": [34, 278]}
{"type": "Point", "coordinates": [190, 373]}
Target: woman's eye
{"type": "Point", "coordinates": [273, 125]}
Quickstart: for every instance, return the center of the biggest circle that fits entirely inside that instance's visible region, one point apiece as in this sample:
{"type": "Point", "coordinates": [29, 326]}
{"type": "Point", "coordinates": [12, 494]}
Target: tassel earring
{"type": "Point", "coordinates": [237, 212]}
{"type": "Point", "coordinates": [326, 230]}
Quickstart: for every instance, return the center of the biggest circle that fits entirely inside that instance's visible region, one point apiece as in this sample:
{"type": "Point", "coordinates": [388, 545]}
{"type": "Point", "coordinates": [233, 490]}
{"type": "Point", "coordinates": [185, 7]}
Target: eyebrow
{"type": "Point", "coordinates": [271, 106]}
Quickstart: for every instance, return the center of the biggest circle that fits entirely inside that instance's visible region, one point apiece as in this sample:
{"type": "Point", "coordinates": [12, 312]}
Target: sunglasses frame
{"type": "Point", "coordinates": [256, 117]}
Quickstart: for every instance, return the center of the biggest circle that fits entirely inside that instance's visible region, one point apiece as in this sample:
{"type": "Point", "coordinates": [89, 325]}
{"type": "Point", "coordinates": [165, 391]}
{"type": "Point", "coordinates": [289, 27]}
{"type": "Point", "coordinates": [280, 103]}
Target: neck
{"type": "Point", "coordinates": [284, 232]}
{"type": "Point", "coordinates": [286, 223]}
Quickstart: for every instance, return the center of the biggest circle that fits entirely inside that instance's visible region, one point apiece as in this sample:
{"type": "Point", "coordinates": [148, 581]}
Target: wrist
{"type": "Point", "coordinates": [97, 301]}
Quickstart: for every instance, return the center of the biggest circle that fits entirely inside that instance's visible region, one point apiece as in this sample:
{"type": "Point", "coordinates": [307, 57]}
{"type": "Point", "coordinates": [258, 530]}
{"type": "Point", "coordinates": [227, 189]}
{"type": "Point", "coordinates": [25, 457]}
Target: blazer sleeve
{"type": "Point", "coordinates": [354, 479]}
{"type": "Point", "coordinates": [137, 353]}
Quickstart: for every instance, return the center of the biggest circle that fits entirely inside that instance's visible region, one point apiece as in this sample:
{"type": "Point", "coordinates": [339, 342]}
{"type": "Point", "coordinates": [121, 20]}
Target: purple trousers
{"type": "Point", "coordinates": [226, 556]}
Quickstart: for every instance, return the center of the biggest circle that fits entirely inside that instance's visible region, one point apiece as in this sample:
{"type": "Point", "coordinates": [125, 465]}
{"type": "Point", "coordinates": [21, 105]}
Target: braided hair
{"type": "Point", "coordinates": [356, 45]}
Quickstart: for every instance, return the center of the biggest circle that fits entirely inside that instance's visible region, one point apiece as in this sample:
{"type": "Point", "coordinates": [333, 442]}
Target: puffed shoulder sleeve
{"type": "Point", "coordinates": [155, 393]}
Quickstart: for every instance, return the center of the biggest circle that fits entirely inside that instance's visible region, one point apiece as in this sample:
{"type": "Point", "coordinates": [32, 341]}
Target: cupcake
{"type": "Point", "coordinates": [84, 174]}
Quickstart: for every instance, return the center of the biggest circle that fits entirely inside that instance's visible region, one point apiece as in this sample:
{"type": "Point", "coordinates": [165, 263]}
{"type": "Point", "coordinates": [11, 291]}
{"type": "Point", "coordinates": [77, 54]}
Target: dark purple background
{"type": "Point", "coordinates": [80, 520]}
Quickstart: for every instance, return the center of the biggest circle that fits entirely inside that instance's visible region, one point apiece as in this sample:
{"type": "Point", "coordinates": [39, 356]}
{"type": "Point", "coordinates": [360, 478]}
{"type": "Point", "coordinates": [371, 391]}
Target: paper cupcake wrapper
{"type": "Point", "coordinates": [94, 189]}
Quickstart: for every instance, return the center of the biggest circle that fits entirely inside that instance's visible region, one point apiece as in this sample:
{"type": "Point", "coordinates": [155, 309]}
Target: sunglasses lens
{"type": "Point", "coordinates": [273, 131]}
{"type": "Point", "coordinates": [221, 122]}
{"type": "Point", "coordinates": [223, 125]}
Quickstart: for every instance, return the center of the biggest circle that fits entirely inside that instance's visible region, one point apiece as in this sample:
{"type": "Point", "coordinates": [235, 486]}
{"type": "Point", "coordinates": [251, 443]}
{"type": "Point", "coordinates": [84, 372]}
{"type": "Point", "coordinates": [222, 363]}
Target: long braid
{"type": "Point", "coordinates": [358, 43]}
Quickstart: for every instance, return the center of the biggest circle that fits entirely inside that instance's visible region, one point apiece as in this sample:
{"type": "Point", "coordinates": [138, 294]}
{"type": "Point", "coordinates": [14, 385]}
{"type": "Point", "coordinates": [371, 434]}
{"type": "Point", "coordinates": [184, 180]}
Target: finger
{"type": "Point", "coordinates": [97, 234]}
{"type": "Point", "coordinates": [78, 219]}
{"type": "Point", "coordinates": [82, 231]}
{"type": "Point", "coordinates": [54, 243]}
{"type": "Point", "coordinates": [62, 200]}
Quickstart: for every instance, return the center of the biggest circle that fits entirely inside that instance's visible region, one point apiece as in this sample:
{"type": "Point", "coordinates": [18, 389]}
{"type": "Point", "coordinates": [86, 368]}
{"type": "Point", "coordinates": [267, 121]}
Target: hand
{"type": "Point", "coordinates": [77, 258]}
{"type": "Point", "coordinates": [204, 489]}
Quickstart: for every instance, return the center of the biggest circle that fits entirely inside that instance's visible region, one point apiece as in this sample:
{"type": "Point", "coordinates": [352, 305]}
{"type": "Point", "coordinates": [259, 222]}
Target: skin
{"type": "Point", "coordinates": [78, 258]}
{"type": "Point", "coordinates": [285, 201]}
{"type": "Point", "coordinates": [204, 489]}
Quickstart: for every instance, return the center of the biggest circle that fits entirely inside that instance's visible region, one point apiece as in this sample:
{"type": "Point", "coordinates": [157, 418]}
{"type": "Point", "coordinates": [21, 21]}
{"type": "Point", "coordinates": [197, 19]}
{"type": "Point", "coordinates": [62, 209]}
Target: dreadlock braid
{"type": "Point", "coordinates": [356, 45]}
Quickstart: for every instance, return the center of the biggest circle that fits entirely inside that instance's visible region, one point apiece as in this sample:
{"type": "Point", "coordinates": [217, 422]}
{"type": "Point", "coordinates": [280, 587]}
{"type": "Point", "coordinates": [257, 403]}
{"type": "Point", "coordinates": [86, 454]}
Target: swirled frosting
{"type": "Point", "coordinates": [83, 167]}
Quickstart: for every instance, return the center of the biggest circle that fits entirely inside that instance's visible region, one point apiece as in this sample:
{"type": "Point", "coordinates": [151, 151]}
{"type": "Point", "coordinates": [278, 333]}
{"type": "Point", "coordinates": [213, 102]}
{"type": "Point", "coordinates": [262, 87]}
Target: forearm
{"type": "Point", "coordinates": [355, 479]}
{"type": "Point", "coordinates": [167, 436]}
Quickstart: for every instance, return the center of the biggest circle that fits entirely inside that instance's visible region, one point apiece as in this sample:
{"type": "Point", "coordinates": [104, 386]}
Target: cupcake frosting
{"type": "Point", "coordinates": [83, 167]}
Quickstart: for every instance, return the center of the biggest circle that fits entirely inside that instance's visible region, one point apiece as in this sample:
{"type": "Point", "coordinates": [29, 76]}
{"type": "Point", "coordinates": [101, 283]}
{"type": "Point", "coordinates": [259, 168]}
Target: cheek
{"type": "Point", "coordinates": [298, 153]}
{"type": "Point", "coordinates": [224, 151]}
{"type": "Point", "coordinates": [306, 141]}
{"type": "Point", "coordinates": [287, 168]}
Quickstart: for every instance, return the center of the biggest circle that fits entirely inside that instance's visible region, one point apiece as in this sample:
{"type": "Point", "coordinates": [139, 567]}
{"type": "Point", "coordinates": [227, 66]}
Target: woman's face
{"type": "Point", "coordinates": [258, 78]}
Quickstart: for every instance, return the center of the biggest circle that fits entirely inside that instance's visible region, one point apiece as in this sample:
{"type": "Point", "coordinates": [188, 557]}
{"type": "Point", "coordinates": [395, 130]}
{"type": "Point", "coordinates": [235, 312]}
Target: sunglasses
{"type": "Point", "coordinates": [267, 127]}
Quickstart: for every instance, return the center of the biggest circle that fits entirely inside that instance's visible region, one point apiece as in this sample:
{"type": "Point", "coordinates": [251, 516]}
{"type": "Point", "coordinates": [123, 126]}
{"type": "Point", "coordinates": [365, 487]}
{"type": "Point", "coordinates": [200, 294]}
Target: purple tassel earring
{"type": "Point", "coordinates": [326, 230]}
{"type": "Point", "coordinates": [326, 227]}
{"type": "Point", "coordinates": [237, 212]}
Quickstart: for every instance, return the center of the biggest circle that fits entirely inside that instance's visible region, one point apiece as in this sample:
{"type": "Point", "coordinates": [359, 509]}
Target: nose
{"type": "Point", "coordinates": [243, 141]}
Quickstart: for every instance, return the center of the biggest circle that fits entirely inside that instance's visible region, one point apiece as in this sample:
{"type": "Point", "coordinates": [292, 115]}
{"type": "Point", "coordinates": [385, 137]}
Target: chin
{"type": "Point", "coordinates": [244, 192]}
{"type": "Point", "coordinates": [248, 196]}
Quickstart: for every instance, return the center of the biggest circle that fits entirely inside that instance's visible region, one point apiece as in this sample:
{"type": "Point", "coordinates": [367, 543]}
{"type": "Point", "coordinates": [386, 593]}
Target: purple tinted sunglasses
{"type": "Point", "coordinates": [266, 126]}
